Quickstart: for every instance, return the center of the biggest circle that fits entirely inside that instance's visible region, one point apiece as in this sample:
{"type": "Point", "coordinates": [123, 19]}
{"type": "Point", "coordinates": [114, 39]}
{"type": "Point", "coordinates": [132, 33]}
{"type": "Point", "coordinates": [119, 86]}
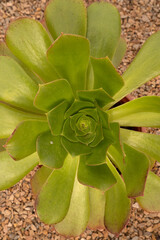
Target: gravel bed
{"type": "Point", "coordinates": [18, 220]}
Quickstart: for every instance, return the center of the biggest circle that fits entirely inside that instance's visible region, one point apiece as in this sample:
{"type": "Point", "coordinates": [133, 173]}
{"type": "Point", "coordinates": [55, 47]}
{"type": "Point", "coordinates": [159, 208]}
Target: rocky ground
{"type": "Point", "coordinates": [140, 18]}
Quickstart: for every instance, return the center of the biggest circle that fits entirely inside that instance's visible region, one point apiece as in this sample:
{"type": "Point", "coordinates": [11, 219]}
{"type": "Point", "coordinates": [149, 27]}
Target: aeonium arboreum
{"type": "Point", "coordinates": [59, 91]}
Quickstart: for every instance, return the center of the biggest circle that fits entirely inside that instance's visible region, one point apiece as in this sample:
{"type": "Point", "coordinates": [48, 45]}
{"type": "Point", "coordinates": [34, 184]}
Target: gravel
{"type": "Point", "coordinates": [18, 219]}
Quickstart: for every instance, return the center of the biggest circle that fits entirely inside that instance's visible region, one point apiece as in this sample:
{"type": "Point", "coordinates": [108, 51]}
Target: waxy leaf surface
{"type": "Point", "coordinates": [73, 13]}
{"type": "Point", "coordinates": [23, 140]}
{"type": "Point", "coordinates": [103, 29]}
{"type": "Point", "coordinates": [150, 201]}
{"type": "Point", "coordinates": [12, 172]}
{"type": "Point", "coordinates": [69, 54]}
{"type": "Point", "coordinates": [29, 41]}
{"type": "Point", "coordinates": [54, 198]}
{"type": "Point", "coordinates": [77, 217]}
{"type": "Point", "coordinates": [120, 52]}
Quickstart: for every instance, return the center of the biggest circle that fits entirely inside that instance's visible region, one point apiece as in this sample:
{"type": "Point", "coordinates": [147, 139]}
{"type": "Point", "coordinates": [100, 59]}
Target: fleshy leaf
{"type": "Point", "coordinates": [141, 112]}
{"type": "Point", "coordinates": [53, 200]}
{"type": "Point", "coordinates": [145, 66]}
{"type": "Point", "coordinates": [99, 176]}
{"type": "Point", "coordinates": [98, 95]}
{"type": "Point", "coordinates": [144, 142]}
{"type": "Point", "coordinates": [23, 140]}
{"type": "Point", "coordinates": [135, 171]}
{"type": "Point", "coordinates": [97, 206]}
{"type": "Point", "coordinates": [106, 76]}
{"type": "Point", "coordinates": [77, 106]}
{"type": "Point", "coordinates": [50, 150]}
{"type": "Point", "coordinates": [16, 87]}
{"type": "Point", "coordinates": [68, 132]}
{"type": "Point", "coordinates": [69, 54]}
{"type": "Point", "coordinates": [77, 217]}
{"type": "Point", "coordinates": [56, 118]}
{"type": "Point", "coordinates": [2, 142]}
{"type": "Point", "coordinates": [74, 17]}
{"type": "Point", "coordinates": [104, 30]}
{"type": "Point", "coordinates": [75, 148]}
{"type": "Point", "coordinates": [51, 94]}
{"type": "Point", "coordinates": [12, 172]}
{"type": "Point", "coordinates": [120, 52]}
{"type": "Point", "coordinates": [4, 51]}
{"type": "Point", "coordinates": [39, 179]}
{"type": "Point", "coordinates": [29, 41]}
{"type": "Point", "coordinates": [11, 117]}
{"type": "Point", "coordinates": [117, 208]}
{"type": "Point", "coordinates": [150, 201]}
{"type": "Point", "coordinates": [91, 112]}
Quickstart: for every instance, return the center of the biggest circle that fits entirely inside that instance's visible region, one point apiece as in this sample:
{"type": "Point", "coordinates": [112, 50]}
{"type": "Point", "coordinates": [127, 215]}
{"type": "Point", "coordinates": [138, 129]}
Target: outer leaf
{"type": "Point", "coordinates": [69, 54]}
{"type": "Point", "coordinates": [97, 206]}
{"type": "Point", "coordinates": [11, 117]}
{"type": "Point", "coordinates": [16, 87]}
{"type": "Point", "coordinates": [99, 176]}
{"type": "Point", "coordinates": [120, 52]}
{"type": "Point", "coordinates": [144, 111]}
{"type": "Point", "coordinates": [54, 198]}
{"type": "Point", "coordinates": [51, 94]}
{"type": "Point", "coordinates": [106, 76]}
{"type": "Point", "coordinates": [104, 30]}
{"type": "Point", "coordinates": [11, 171]}
{"type": "Point", "coordinates": [151, 200]}
{"type": "Point", "coordinates": [2, 142]}
{"type": "Point", "coordinates": [4, 51]}
{"type": "Point", "coordinates": [39, 178]}
{"type": "Point", "coordinates": [29, 41]}
{"type": "Point", "coordinates": [145, 66]}
{"type": "Point", "coordinates": [56, 118]}
{"type": "Point", "coordinates": [23, 140]}
{"type": "Point", "coordinates": [50, 150]}
{"type": "Point", "coordinates": [135, 171]}
{"type": "Point", "coordinates": [98, 95]}
{"type": "Point", "coordinates": [144, 142]}
{"type": "Point", "coordinates": [77, 217]}
{"type": "Point", "coordinates": [75, 148]}
{"type": "Point", "coordinates": [117, 209]}
{"type": "Point", "coordinates": [74, 17]}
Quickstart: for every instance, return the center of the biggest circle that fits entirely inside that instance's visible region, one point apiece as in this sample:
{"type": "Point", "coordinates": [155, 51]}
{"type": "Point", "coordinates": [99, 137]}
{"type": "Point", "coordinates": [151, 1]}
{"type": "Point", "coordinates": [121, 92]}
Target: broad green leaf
{"type": "Point", "coordinates": [69, 54]}
{"type": "Point", "coordinates": [97, 206]}
{"type": "Point", "coordinates": [135, 171]}
{"type": "Point", "coordinates": [141, 112]}
{"type": "Point", "coordinates": [120, 52]}
{"type": "Point", "coordinates": [23, 140]}
{"type": "Point", "coordinates": [68, 132]}
{"type": "Point", "coordinates": [144, 142]}
{"type": "Point", "coordinates": [98, 95]}
{"type": "Point", "coordinates": [75, 148]}
{"type": "Point", "coordinates": [90, 77]}
{"type": "Point", "coordinates": [29, 41]}
{"type": "Point", "coordinates": [54, 198]}
{"type": "Point", "coordinates": [16, 87]}
{"type": "Point", "coordinates": [91, 112]}
{"type": "Point", "coordinates": [99, 176]}
{"type": "Point", "coordinates": [39, 178]}
{"type": "Point", "coordinates": [12, 172]}
{"type": "Point", "coordinates": [67, 16]}
{"type": "Point", "coordinates": [150, 201]}
{"type": "Point", "coordinates": [56, 118]}
{"type": "Point", "coordinates": [106, 76]}
{"type": "Point", "coordinates": [77, 106]}
{"type": "Point", "coordinates": [104, 28]}
{"type": "Point", "coordinates": [77, 217]}
{"type": "Point", "coordinates": [50, 150]}
{"type": "Point", "coordinates": [10, 117]}
{"type": "Point", "coordinates": [145, 66]}
{"type": "Point", "coordinates": [51, 94]}
{"type": "Point", "coordinates": [118, 206]}
{"type": "Point", "coordinates": [4, 51]}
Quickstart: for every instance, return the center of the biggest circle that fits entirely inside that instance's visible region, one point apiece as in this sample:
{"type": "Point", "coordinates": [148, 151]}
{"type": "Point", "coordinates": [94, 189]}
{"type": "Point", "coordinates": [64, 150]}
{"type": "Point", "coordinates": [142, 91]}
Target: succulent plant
{"type": "Point", "coordinates": [60, 108]}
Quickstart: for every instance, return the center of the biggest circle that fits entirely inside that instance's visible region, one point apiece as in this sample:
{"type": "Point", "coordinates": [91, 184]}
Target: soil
{"type": "Point", "coordinates": [18, 220]}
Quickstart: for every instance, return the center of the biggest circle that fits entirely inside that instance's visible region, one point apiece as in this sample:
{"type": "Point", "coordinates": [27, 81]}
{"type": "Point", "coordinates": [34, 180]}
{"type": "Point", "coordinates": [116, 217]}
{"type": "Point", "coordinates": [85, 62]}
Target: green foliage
{"type": "Point", "coordinates": [57, 96]}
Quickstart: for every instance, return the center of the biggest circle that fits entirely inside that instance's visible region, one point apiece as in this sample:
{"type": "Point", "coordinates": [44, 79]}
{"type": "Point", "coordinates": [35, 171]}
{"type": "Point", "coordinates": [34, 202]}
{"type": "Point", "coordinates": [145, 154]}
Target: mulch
{"type": "Point", "coordinates": [18, 219]}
